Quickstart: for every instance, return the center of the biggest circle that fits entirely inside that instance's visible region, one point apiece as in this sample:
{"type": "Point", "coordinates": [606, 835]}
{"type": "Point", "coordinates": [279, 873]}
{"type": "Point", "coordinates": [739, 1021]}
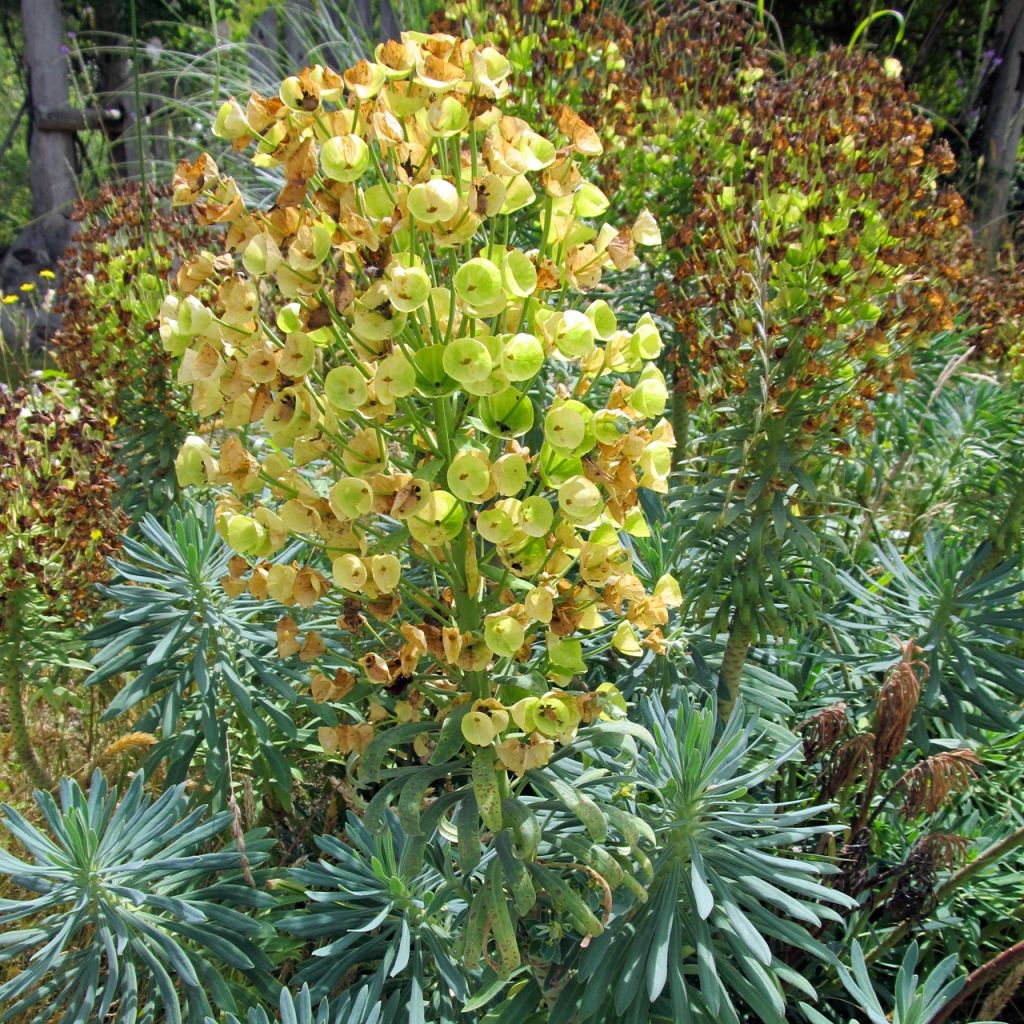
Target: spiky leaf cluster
{"type": "Point", "coordinates": [127, 918]}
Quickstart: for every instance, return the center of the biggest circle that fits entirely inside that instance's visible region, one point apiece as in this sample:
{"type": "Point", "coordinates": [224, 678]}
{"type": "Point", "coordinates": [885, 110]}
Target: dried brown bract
{"type": "Point", "coordinates": [848, 762]}
{"type": "Point", "coordinates": [897, 701]}
{"type": "Point", "coordinates": [930, 782]}
{"type": "Point", "coordinates": [914, 893]}
{"type": "Point", "coordinates": [822, 729]}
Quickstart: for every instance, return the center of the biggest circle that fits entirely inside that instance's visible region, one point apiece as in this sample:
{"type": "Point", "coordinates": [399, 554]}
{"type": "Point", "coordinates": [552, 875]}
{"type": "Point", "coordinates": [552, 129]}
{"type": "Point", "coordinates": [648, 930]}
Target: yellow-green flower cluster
{"type": "Point", "coordinates": [386, 324]}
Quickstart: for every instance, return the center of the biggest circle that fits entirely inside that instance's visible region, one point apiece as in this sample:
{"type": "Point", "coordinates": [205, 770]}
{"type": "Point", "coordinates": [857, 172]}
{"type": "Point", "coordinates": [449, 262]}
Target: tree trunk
{"type": "Point", "coordinates": [52, 153]}
{"type": "Point", "coordinates": [113, 91]}
{"type": "Point", "coordinates": [1001, 128]}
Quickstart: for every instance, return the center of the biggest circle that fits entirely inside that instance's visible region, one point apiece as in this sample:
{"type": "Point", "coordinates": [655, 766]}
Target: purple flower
{"type": "Point", "coordinates": [72, 35]}
{"type": "Point", "coordinates": [64, 50]}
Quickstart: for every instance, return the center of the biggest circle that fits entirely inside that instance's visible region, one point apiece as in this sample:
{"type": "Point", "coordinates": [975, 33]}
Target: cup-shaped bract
{"type": "Point", "coordinates": [434, 201]}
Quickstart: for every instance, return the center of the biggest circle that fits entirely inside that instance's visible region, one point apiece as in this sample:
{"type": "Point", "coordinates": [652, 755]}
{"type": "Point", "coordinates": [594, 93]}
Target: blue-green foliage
{"type": "Point", "coordinates": [701, 946]}
{"type": "Point", "coordinates": [128, 916]}
{"type": "Point", "coordinates": [204, 663]}
{"type": "Point", "coordinates": [380, 902]}
{"type": "Point", "coordinates": [913, 1002]}
{"type": "Point", "coordinates": [962, 611]}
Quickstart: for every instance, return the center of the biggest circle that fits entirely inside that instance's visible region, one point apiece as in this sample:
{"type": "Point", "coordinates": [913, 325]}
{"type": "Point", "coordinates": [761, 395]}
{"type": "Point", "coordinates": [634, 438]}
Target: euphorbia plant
{"type": "Point", "coordinates": [412, 380]}
{"type": "Point", "coordinates": [59, 525]}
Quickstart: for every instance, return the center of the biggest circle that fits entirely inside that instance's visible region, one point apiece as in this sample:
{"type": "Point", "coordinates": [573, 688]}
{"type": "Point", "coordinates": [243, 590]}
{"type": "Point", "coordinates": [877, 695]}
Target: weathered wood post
{"type": "Point", "coordinates": [1001, 129]}
{"type": "Point", "coordinates": [51, 149]}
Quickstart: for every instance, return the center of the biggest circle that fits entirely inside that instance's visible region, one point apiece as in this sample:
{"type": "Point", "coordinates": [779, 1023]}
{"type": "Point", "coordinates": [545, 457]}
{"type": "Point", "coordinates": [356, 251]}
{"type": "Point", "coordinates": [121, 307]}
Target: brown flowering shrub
{"type": "Point", "coordinates": [59, 523]}
{"type": "Point", "coordinates": [862, 770]}
{"type": "Point", "coordinates": [115, 275]}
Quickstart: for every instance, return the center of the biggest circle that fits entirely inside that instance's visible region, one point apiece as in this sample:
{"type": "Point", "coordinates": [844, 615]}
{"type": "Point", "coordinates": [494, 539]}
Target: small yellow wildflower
{"type": "Point", "coordinates": [96, 534]}
{"type": "Point", "coordinates": [10, 300]}
{"type": "Point", "coordinates": [28, 286]}
{"type": "Point", "coordinates": [49, 275]}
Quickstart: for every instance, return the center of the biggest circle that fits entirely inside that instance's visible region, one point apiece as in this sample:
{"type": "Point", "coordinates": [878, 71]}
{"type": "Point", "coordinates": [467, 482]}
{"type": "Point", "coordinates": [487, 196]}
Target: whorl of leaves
{"type": "Point", "coordinates": [126, 910]}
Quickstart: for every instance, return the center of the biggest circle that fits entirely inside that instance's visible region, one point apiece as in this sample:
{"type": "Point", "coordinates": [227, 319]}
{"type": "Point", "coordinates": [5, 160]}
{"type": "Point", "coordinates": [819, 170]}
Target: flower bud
{"type": "Point", "coordinates": [495, 525]}
{"type": "Point", "coordinates": [519, 275]}
{"type": "Point", "coordinates": [386, 571]}
{"type": "Point", "coordinates": [469, 475]}
{"type": "Point", "coordinates": [194, 461]}
{"type": "Point", "coordinates": [602, 316]}
{"type": "Point", "coordinates": [438, 520]}
{"type": "Point", "coordinates": [536, 516]}
{"type": "Point", "coordinates": [244, 534]}
{"type": "Point", "coordinates": [565, 428]}
{"type": "Point", "coordinates": [446, 116]}
{"type": "Point", "coordinates": [230, 123]}
{"type": "Point", "coordinates": [467, 360]}
{"type": "Point", "coordinates": [580, 500]}
{"type": "Point", "coordinates": [667, 588]}
{"type": "Point", "coordinates": [625, 642]}
{"type": "Point", "coordinates": [573, 334]}
{"type": "Point", "coordinates": [408, 288]}
{"type": "Point", "coordinates": [478, 284]}
{"type": "Point", "coordinates": [522, 357]}
{"type": "Point", "coordinates": [610, 425]}
{"type": "Point", "coordinates": [509, 474]}
{"type": "Point", "coordinates": [566, 655]}
{"type": "Point", "coordinates": [345, 388]}
{"type": "Point", "coordinates": [395, 377]}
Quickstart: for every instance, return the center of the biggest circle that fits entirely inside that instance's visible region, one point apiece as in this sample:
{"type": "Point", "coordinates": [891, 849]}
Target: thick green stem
{"type": "Point", "coordinates": [733, 660]}
{"type": "Point", "coordinates": [19, 732]}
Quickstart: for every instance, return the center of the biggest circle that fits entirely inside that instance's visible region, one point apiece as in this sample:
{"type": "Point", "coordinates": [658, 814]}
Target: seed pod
{"type": "Point", "coordinates": [468, 834]}
{"type": "Point", "coordinates": [524, 896]}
